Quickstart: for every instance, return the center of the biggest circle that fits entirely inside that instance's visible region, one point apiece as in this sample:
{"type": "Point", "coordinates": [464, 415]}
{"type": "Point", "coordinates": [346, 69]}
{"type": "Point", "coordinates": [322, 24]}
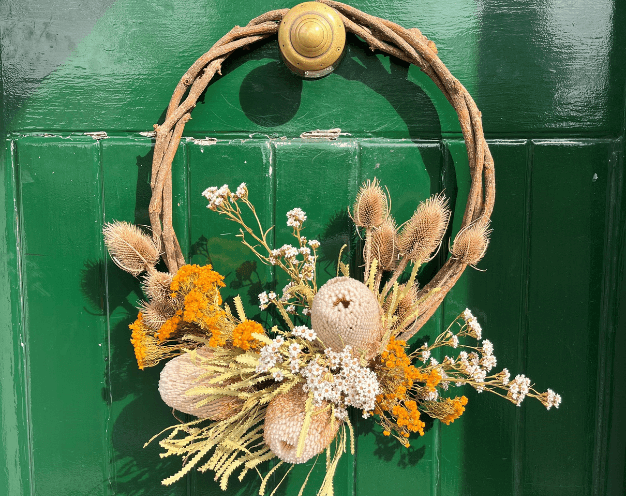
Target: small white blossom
{"type": "Point", "coordinates": [278, 376]}
{"type": "Point", "coordinates": [271, 295]}
{"type": "Point", "coordinates": [552, 399]}
{"type": "Point", "coordinates": [314, 243]}
{"type": "Point", "coordinates": [454, 341]}
{"type": "Point", "coordinates": [296, 217]}
{"type": "Point", "coordinates": [291, 309]}
{"type": "Point", "coordinates": [306, 311]}
{"type": "Point", "coordinates": [467, 314]}
{"type": "Point", "coordinates": [487, 347]}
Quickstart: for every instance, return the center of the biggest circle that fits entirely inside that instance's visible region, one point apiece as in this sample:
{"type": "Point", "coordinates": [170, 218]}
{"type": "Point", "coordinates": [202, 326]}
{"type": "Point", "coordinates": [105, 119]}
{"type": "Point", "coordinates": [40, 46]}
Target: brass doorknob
{"type": "Point", "coordinates": [312, 38]}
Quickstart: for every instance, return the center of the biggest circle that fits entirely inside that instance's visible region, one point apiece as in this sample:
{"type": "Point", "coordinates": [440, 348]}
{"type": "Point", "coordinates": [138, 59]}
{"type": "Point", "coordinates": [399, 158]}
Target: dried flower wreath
{"type": "Point", "coordinates": [285, 392]}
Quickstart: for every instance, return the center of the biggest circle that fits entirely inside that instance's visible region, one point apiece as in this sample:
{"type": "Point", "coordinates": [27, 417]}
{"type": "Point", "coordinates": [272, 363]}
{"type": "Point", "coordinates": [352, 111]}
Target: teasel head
{"type": "Point", "coordinates": [156, 286]}
{"type": "Point", "coordinates": [421, 235]}
{"type": "Point", "coordinates": [156, 313]}
{"type": "Point", "coordinates": [385, 244]}
{"type": "Point", "coordinates": [371, 206]}
{"type": "Point", "coordinates": [130, 248]}
{"type": "Point", "coordinates": [471, 243]}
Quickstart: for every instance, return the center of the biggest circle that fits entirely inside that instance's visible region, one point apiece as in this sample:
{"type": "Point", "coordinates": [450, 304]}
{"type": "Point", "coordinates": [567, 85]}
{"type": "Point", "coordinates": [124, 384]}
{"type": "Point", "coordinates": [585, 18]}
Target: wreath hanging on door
{"type": "Point", "coordinates": [285, 392]}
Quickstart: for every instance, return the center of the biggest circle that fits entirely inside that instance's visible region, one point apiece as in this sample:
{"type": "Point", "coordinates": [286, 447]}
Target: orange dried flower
{"type": "Point", "coordinates": [170, 327]}
{"type": "Point", "coordinates": [242, 335]}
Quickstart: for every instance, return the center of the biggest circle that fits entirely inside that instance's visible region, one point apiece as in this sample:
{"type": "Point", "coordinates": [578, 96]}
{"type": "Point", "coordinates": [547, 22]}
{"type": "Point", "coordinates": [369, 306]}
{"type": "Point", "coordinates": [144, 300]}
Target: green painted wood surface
{"type": "Point", "coordinates": [549, 78]}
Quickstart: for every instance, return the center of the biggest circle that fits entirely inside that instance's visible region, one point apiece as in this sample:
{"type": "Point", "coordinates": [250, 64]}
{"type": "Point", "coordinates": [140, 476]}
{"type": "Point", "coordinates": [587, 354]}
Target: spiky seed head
{"type": "Point", "coordinates": [156, 286]}
{"type": "Point", "coordinates": [422, 234]}
{"type": "Point", "coordinates": [371, 206]}
{"type": "Point", "coordinates": [130, 248]}
{"type": "Point", "coordinates": [156, 312]}
{"type": "Point", "coordinates": [385, 244]}
{"type": "Point", "coordinates": [471, 244]}
{"type": "Point", "coordinates": [284, 419]}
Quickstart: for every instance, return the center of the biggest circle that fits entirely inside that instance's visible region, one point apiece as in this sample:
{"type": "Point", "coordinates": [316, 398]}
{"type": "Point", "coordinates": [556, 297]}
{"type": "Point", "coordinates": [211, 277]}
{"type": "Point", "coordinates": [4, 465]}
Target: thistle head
{"type": "Point", "coordinates": [130, 248]}
{"type": "Point", "coordinates": [371, 206]}
{"type": "Point", "coordinates": [421, 235]}
{"type": "Point", "coordinates": [471, 243]}
{"type": "Point", "coordinates": [385, 244]}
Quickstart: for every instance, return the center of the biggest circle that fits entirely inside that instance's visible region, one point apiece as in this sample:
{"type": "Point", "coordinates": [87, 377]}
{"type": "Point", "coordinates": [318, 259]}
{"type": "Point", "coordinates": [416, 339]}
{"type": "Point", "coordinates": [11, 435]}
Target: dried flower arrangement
{"type": "Point", "coordinates": [284, 392]}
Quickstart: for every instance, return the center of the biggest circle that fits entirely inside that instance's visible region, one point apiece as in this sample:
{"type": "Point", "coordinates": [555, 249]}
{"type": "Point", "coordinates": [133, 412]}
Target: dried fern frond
{"type": "Point", "coordinates": [385, 244]}
{"type": "Point", "coordinates": [471, 244]}
{"type": "Point", "coordinates": [130, 248]}
{"type": "Point", "coordinates": [371, 206]}
{"type": "Point", "coordinates": [422, 233]}
{"type": "Point", "coordinates": [156, 286]}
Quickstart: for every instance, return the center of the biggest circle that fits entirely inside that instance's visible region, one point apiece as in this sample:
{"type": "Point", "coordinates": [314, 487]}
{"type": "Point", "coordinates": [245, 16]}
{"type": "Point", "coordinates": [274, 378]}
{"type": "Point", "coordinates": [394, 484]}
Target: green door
{"type": "Point", "coordinates": [549, 78]}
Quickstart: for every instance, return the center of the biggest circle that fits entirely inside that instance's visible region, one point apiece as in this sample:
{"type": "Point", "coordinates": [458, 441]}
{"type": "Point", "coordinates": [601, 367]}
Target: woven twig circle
{"type": "Point", "coordinates": [406, 44]}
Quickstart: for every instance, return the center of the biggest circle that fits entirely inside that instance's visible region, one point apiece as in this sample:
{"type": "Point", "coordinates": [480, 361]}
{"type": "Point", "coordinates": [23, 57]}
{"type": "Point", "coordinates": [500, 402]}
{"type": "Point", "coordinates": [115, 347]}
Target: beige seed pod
{"type": "Point", "coordinates": [471, 244]}
{"type": "Point", "coordinates": [156, 312]}
{"type": "Point", "coordinates": [156, 286]}
{"type": "Point", "coordinates": [422, 234]}
{"type": "Point", "coordinates": [130, 248]}
{"type": "Point", "coordinates": [284, 419]}
{"type": "Point", "coordinates": [345, 312]}
{"type": "Point", "coordinates": [181, 374]}
{"type": "Point", "coordinates": [371, 206]}
{"type": "Point", "coordinates": [385, 245]}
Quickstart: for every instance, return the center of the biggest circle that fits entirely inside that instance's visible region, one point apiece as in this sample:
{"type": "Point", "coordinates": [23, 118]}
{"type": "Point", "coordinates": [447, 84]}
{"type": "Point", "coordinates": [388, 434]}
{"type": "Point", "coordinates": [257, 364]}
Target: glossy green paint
{"type": "Point", "coordinates": [549, 79]}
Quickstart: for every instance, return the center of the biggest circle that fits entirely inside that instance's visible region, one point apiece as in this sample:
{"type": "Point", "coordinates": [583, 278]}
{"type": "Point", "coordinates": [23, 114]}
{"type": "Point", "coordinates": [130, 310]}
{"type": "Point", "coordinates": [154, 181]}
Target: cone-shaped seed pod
{"type": "Point", "coordinates": [179, 375]}
{"type": "Point", "coordinates": [129, 247]}
{"type": "Point", "coordinates": [156, 312]}
{"type": "Point", "coordinates": [422, 234]}
{"type": "Point", "coordinates": [370, 207]}
{"type": "Point", "coordinates": [385, 245]}
{"type": "Point", "coordinates": [156, 285]}
{"type": "Point", "coordinates": [471, 244]}
{"type": "Point", "coordinates": [283, 423]}
{"type": "Point", "coordinates": [345, 312]}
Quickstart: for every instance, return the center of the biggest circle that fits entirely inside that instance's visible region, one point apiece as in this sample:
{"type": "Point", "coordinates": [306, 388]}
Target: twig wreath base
{"type": "Point", "coordinates": [383, 35]}
{"type": "Point", "coordinates": [285, 392]}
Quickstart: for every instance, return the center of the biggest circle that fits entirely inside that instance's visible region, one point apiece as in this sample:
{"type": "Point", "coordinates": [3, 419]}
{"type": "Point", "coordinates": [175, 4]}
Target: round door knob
{"type": "Point", "coordinates": [312, 38]}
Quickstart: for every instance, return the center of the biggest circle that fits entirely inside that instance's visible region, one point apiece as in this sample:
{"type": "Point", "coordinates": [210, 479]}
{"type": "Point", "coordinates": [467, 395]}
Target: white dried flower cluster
{"type": "Point", "coordinates": [314, 243]}
{"type": "Point", "coordinates": [264, 300]}
{"type": "Point", "coordinates": [296, 217]}
{"type": "Point", "coordinates": [518, 389]}
{"type": "Point", "coordinates": [473, 327]}
{"type": "Point", "coordinates": [304, 332]}
{"type": "Point", "coordinates": [552, 399]}
{"type": "Point", "coordinates": [270, 355]}
{"type": "Point", "coordinates": [488, 361]}
{"type": "Point", "coordinates": [290, 254]}
{"type": "Point", "coordinates": [216, 196]}
{"type": "Point", "coordinates": [344, 383]}
{"type": "Point", "coordinates": [469, 364]}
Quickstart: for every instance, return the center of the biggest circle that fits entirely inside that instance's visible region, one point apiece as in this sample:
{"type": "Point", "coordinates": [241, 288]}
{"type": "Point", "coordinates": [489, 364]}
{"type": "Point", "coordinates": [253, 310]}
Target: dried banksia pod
{"type": "Point", "coordinates": [371, 206]}
{"type": "Point", "coordinates": [385, 245]}
{"type": "Point", "coordinates": [471, 244]}
{"type": "Point", "coordinates": [183, 373]}
{"type": "Point", "coordinates": [156, 312]}
{"type": "Point", "coordinates": [130, 248]}
{"type": "Point", "coordinates": [284, 419]}
{"type": "Point", "coordinates": [345, 312]}
{"type": "Point", "coordinates": [156, 286]}
{"type": "Point", "coordinates": [422, 234]}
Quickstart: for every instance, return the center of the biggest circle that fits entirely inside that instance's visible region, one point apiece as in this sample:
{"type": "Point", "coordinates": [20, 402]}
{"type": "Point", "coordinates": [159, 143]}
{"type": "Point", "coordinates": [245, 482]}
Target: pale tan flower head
{"type": "Point", "coordinates": [284, 420]}
{"type": "Point", "coordinates": [371, 206]}
{"type": "Point", "coordinates": [422, 234]}
{"type": "Point", "coordinates": [471, 244]}
{"type": "Point", "coordinates": [130, 248]}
